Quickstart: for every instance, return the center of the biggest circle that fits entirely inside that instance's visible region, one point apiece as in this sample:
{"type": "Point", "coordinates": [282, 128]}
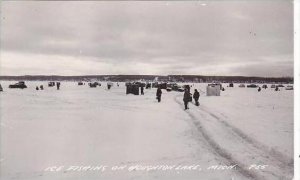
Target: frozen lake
{"type": "Point", "coordinates": [82, 126]}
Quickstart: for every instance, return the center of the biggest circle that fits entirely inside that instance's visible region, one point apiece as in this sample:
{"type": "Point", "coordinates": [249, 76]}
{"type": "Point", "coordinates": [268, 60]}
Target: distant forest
{"type": "Point", "coordinates": [168, 78]}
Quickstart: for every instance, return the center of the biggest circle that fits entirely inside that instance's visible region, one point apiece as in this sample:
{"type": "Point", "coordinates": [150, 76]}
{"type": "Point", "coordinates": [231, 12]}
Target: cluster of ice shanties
{"type": "Point", "coordinates": [104, 125]}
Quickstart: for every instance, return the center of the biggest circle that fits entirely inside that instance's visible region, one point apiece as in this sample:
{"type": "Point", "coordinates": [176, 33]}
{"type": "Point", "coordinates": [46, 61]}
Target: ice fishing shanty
{"type": "Point", "coordinates": [213, 89]}
{"type": "Point", "coordinates": [134, 88]}
{"type": "Point", "coordinates": [162, 85]}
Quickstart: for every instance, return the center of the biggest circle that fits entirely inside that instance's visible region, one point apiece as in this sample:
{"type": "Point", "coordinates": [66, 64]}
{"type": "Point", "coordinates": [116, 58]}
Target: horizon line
{"type": "Point", "coordinates": [153, 75]}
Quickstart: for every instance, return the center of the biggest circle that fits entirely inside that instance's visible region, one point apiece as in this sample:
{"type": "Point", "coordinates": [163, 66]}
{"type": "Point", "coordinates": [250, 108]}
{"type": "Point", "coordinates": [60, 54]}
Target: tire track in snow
{"type": "Point", "coordinates": [281, 166]}
{"type": "Point", "coordinates": [217, 148]}
{"type": "Point", "coordinates": [284, 160]}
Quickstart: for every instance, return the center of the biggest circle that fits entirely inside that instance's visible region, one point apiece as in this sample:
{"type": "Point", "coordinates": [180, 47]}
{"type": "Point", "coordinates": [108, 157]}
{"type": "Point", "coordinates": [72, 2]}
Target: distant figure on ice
{"type": "Point", "coordinates": [109, 85]}
{"type": "Point", "coordinates": [57, 85]}
{"type": "Point", "coordinates": [259, 89]}
{"type": "Point", "coordinates": [41, 87]}
{"type": "Point", "coordinates": [37, 88]}
{"type": "Point", "coordinates": [186, 98]}
{"type": "Point", "coordinates": [158, 94]}
{"type": "Point", "coordinates": [276, 89]}
{"type": "Point", "coordinates": [142, 90]}
{"type": "Point", "coordinates": [1, 89]}
{"type": "Point", "coordinates": [196, 96]}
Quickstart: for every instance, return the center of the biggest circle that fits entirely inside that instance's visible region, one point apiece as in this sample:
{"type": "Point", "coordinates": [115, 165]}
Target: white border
{"type": "Point", "coordinates": [296, 89]}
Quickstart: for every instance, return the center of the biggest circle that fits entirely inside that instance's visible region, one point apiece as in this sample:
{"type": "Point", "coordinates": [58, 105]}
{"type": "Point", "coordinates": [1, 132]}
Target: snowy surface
{"type": "Point", "coordinates": [82, 126]}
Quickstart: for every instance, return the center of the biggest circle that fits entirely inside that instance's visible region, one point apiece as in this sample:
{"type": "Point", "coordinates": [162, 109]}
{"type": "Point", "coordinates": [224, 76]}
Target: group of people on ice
{"type": "Point", "coordinates": [50, 84]}
{"type": "Point", "coordinates": [187, 97]}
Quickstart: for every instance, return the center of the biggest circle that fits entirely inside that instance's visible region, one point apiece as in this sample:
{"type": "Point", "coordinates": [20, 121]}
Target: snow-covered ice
{"type": "Point", "coordinates": [82, 126]}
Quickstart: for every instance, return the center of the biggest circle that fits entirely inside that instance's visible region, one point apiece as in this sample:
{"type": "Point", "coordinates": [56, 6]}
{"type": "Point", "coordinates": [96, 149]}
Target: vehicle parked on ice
{"type": "Point", "coordinates": [242, 85]}
{"type": "Point", "coordinates": [170, 85]}
{"type": "Point", "coordinates": [175, 87]}
{"type": "Point", "coordinates": [188, 87]}
{"type": "Point", "coordinates": [93, 85]}
{"type": "Point", "coordinates": [273, 86]}
{"type": "Point", "coordinates": [80, 83]}
{"type": "Point", "coordinates": [289, 87]}
{"type": "Point", "coordinates": [162, 85]}
{"type": "Point", "coordinates": [148, 85]}
{"type": "Point", "coordinates": [181, 89]}
{"type": "Point", "coordinates": [213, 90]}
{"type": "Point", "coordinates": [252, 86]}
{"type": "Point", "coordinates": [280, 85]}
{"type": "Point", "coordinates": [51, 84]}
{"type": "Point", "coordinates": [231, 85]}
{"type": "Point", "coordinates": [20, 85]}
{"type": "Point", "coordinates": [154, 84]}
{"type": "Point", "coordinates": [265, 86]}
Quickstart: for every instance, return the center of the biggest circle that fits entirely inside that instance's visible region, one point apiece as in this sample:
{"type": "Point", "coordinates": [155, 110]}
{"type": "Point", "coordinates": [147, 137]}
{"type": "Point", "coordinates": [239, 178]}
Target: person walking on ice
{"type": "Point", "coordinates": [158, 94]}
{"type": "Point", "coordinates": [57, 85]}
{"type": "Point", "coordinates": [186, 98]}
{"type": "Point", "coordinates": [142, 90]}
{"type": "Point", "coordinates": [196, 96]}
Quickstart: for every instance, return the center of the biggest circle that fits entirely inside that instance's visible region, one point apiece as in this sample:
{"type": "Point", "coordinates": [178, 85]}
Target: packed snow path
{"type": "Point", "coordinates": [81, 126]}
{"type": "Point", "coordinates": [236, 147]}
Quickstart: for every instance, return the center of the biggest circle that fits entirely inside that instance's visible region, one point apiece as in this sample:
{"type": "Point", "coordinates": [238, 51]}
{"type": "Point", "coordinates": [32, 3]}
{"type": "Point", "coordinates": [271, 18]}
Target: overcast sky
{"type": "Point", "coordinates": [205, 38]}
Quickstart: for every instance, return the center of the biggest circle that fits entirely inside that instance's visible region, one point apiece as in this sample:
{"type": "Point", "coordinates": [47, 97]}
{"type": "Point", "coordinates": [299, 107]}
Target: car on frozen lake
{"type": "Point", "coordinates": [280, 85]}
{"type": "Point", "coordinates": [94, 84]}
{"type": "Point", "coordinates": [51, 84]}
{"type": "Point", "coordinates": [20, 85]}
{"type": "Point", "coordinates": [252, 86]}
{"type": "Point", "coordinates": [289, 87]}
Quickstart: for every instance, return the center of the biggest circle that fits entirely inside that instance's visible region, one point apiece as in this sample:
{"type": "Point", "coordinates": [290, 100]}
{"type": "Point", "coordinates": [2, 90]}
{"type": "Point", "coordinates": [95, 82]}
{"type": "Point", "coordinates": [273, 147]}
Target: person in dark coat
{"type": "Point", "coordinates": [41, 87]}
{"type": "Point", "coordinates": [37, 88]}
{"type": "Point", "coordinates": [158, 94]}
{"type": "Point", "coordinates": [1, 89]}
{"type": "Point", "coordinates": [142, 90]}
{"type": "Point", "coordinates": [196, 96]}
{"type": "Point", "coordinates": [57, 85]}
{"type": "Point", "coordinates": [186, 98]}
{"type": "Point", "coordinates": [259, 89]}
